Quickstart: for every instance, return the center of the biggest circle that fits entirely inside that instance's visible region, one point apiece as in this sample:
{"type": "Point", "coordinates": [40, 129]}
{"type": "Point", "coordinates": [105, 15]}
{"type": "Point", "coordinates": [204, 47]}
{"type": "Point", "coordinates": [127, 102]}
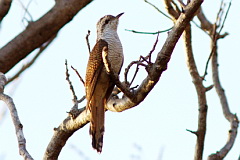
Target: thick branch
{"type": "Point", "coordinates": [29, 64]}
{"type": "Point", "coordinates": [4, 8]}
{"type": "Point", "coordinates": [39, 32]}
{"type": "Point", "coordinates": [63, 132]}
{"type": "Point", "coordinates": [201, 92]}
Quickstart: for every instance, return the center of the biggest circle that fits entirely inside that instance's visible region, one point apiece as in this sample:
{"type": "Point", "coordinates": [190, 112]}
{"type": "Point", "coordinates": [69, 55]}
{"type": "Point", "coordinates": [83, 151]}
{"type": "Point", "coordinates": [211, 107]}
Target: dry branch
{"type": "Point", "coordinates": [63, 132]}
{"type": "Point", "coordinates": [233, 119]}
{"type": "Point", "coordinates": [79, 76]}
{"type": "Point", "coordinates": [215, 35]}
{"type": "Point", "coordinates": [171, 9]}
{"type": "Point", "coordinates": [70, 83]}
{"type": "Point", "coordinates": [16, 121]}
{"type": "Point", "coordinates": [206, 25]}
{"type": "Point", "coordinates": [87, 40]}
{"type": "Point", "coordinates": [39, 32]}
{"type": "Point", "coordinates": [201, 92]}
{"type": "Point", "coordinates": [154, 6]}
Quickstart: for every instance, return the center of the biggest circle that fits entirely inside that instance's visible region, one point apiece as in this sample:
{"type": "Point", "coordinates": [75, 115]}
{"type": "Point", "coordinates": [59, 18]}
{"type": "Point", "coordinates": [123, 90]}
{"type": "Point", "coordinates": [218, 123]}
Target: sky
{"type": "Point", "coordinates": [156, 128]}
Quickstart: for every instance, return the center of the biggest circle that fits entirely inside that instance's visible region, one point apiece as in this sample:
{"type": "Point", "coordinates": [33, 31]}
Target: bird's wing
{"type": "Point", "coordinates": [94, 67]}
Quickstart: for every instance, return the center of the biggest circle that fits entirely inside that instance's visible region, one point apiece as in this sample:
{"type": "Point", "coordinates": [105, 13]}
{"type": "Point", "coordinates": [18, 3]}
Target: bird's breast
{"type": "Point", "coordinates": [115, 53]}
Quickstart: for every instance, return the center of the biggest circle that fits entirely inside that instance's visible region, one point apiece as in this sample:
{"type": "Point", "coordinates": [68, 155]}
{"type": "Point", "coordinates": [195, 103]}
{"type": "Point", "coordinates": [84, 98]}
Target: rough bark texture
{"type": "Point", "coordinates": [39, 32]}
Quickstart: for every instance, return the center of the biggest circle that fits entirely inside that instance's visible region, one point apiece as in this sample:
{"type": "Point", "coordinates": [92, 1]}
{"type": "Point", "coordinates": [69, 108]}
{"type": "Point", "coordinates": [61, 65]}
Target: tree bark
{"type": "Point", "coordinates": [39, 32]}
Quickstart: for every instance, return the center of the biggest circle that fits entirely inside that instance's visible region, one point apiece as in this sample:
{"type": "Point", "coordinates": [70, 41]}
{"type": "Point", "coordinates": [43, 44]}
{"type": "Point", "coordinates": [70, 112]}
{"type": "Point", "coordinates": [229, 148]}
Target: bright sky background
{"type": "Point", "coordinates": [153, 130]}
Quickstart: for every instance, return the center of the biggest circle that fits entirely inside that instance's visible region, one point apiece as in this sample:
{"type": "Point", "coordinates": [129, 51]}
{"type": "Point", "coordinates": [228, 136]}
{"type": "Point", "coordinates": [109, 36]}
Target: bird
{"type": "Point", "coordinates": [98, 84]}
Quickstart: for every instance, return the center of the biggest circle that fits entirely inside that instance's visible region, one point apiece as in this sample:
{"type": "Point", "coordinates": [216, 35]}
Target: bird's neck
{"type": "Point", "coordinates": [108, 36]}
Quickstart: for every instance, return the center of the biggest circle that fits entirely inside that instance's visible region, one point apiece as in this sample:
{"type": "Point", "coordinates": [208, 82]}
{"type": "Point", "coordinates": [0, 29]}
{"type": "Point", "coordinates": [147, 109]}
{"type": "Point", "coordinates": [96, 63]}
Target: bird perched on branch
{"type": "Point", "coordinates": [98, 84]}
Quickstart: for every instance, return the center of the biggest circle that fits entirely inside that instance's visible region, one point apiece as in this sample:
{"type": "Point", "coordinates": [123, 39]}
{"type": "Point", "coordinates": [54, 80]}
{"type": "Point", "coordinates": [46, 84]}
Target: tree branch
{"type": "Point", "coordinates": [206, 25]}
{"type": "Point", "coordinates": [201, 92]}
{"type": "Point", "coordinates": [39, 32]}
{"type": "Point", "coordinates": [29, 64]}
{"type": "Point", "coordinates": [140, 32]}
{"type": "Point", "coordinates": [4, 8]}
{"type": "Point", "coordinates": [63, 132]}
{"type": "Point", "coordinates": [212, 31]}
{"type": "Point", "coordinates": [170, 8]}
{"type": "Point", "coordinates": [232, 118]}
{"type": "Point", "coordinates": [87, 40]}
{"type": "Point", "coordinates": [17, 124]}
{"type": "Point", "coordinates": [158, 9]}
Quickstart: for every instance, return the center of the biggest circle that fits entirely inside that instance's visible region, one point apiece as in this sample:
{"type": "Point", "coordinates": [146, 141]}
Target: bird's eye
{"type": "Point", "coordinates": [106, 22]}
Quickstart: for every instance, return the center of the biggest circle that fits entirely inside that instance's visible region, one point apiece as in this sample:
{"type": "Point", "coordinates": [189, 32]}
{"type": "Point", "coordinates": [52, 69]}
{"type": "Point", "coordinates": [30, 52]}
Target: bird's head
{"type": "Point", "coordinates": [108, 23]}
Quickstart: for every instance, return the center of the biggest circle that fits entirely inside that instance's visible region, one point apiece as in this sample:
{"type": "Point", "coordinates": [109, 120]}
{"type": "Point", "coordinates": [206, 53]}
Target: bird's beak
{"type": "Point", "coordinates": [119, 15]}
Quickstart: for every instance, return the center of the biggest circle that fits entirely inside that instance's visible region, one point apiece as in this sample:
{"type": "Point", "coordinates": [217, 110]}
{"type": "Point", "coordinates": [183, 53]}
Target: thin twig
{"type": "Point", "coordinates": [224, 20]}
{"type": "Point", "coordinates": [87, 40]}
{"type": "Point", "coordinates": [127, 70]}
{"type": "Point", "coordinates": [82, 99]}
{"type": "Point", "coordinates": [177, 8]}
{"type": "Point", "coordinates": [193, 132]}
{"type": "Point", "coordinates": [153, 49]}
{"type": "Point", "coordinates": [80, 77]}
{"type": "Point", "coordinates": [26, 12]}
{"type": "Point", "coordinates": [207, 63]}
{"type": "Point", "coordinates": [139, 32]}
{"type": "Point", "coordinates": [134, 75]}
{"type": "Point", "coordinates": [158, 9]}
{"type": "Point", "coordinates": [139, 62]}
{"type": "Point", "coordinates": [200, 27]}
{"type": "Point", "coordinates": [219, 14]}
{"type": "Point", "coordinates": [172, 9]}
{"type": "Point", "coordinates": [142, 59]}
{"type": "Point", "coordinates": [70, 83]}
{"type": "Point", "coordinates": [215, 36]}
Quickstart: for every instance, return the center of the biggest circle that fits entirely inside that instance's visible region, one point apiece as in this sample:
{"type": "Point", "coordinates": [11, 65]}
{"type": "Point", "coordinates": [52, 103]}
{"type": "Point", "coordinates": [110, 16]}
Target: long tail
{"type": "Point", "coordinates": [97, 124]}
